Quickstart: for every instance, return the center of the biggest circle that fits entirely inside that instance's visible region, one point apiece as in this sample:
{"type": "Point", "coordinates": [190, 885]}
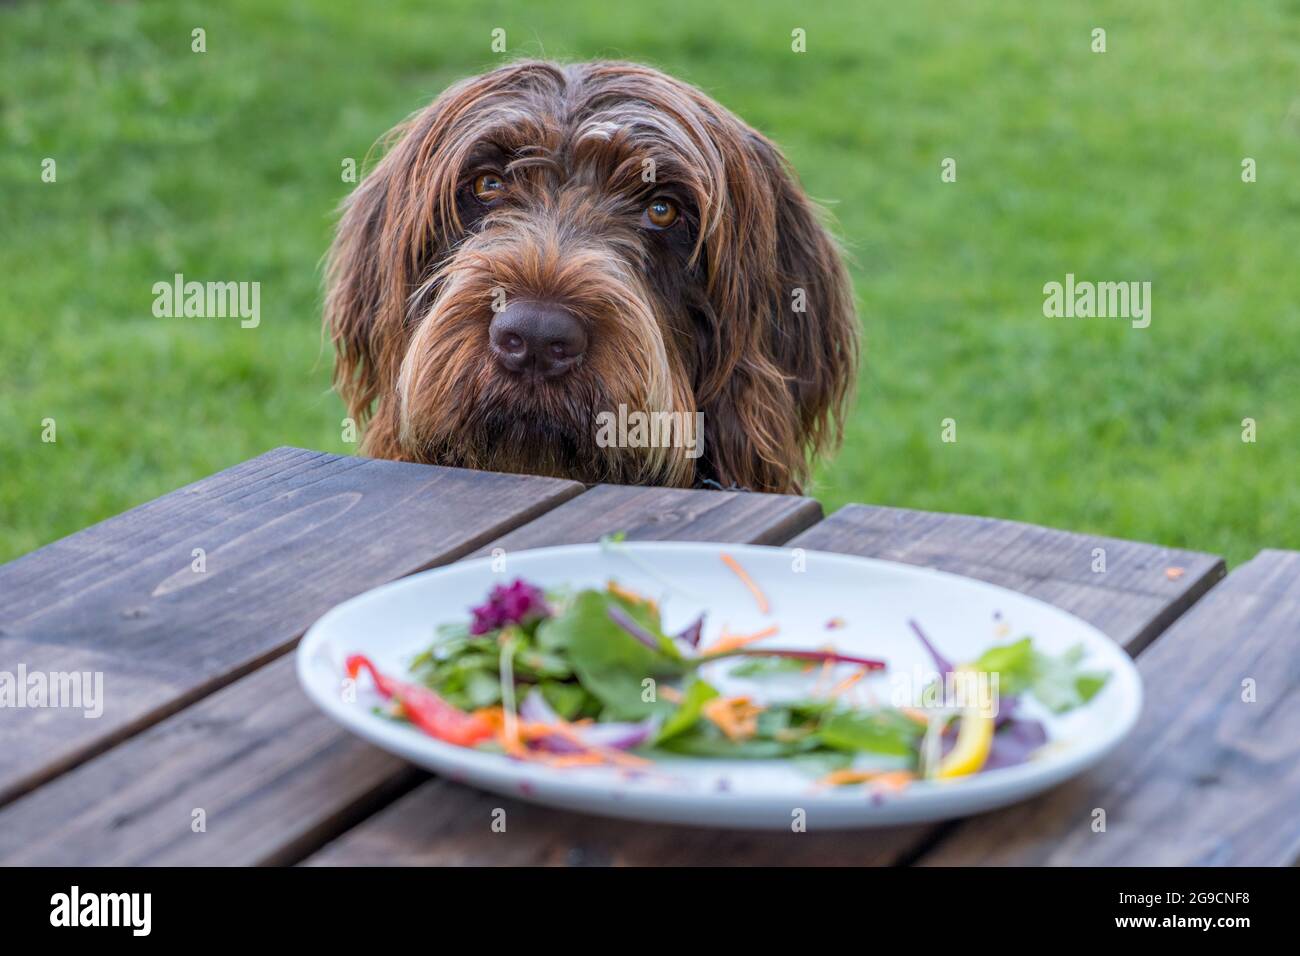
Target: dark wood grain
{"type": "Point", "coordinates": [276, 778]}
{"type": "Point", "coordinates": [439, 824]}
{"type": "Point", "coordinates": [668, 514]}
{"type": "Point", "coordinates": [285, 536]}
{"type": "Point", "coordinates": [1207, 778]}
{"type": "Point", "coordinates": [442, 823]}
{"type": "Point", "coordinates": [261, 796]}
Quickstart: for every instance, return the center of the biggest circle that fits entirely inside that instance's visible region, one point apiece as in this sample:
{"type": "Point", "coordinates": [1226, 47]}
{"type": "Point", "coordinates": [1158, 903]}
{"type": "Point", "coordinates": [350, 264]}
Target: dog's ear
{"type": "Point", "coordinates": [395, 229]}
{"type": "Point", "coordinates": [380, 251]}
{"type": "Point", "coordinates": [782, 361]}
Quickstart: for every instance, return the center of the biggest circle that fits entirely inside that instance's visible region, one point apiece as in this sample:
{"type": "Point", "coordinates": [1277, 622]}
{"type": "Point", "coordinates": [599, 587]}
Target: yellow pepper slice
{"type": "Point", "coordinates": [974, 741]}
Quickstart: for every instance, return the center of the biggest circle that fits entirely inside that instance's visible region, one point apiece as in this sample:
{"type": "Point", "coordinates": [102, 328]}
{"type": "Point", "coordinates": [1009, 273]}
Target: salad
{"type": "Point", "coordinates": [591, 678]}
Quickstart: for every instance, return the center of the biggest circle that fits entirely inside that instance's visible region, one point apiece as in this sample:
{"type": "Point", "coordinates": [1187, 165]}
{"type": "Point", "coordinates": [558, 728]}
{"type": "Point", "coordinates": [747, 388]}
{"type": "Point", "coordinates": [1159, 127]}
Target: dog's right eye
{"type": "Point", "coordinates": [489, 188]}
{"type": "Point", "coordinates": [660, 214]}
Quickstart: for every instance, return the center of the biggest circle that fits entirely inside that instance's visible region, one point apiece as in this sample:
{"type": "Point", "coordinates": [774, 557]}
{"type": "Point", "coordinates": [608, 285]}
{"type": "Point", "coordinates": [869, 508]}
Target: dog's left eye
{"type": "Point", "coordinates": [488, 188]}
{"type": "Point", "coordinates": [660, 214]}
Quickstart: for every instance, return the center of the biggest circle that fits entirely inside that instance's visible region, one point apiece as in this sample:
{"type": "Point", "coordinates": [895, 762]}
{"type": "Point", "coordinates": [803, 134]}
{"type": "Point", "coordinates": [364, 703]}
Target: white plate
{"type": "Point", "coordinates": [874, 599]}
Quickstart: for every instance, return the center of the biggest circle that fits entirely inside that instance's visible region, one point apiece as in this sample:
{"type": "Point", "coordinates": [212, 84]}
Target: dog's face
{"type": "Point", "coordinates": [548, 243]}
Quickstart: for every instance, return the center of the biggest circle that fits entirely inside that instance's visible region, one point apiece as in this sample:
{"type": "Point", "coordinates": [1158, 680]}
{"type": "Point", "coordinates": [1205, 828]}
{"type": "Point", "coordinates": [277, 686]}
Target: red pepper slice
{"type": "Point", "coordinates": [424, 708]}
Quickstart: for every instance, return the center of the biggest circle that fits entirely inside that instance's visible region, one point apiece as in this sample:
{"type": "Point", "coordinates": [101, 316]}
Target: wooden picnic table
{"type": "Point", "coordinates": [203, 711]}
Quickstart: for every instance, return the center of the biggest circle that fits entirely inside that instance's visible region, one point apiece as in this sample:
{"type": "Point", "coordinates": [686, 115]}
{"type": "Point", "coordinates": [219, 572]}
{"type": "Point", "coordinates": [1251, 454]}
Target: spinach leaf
{"type": "Point", "coordinates": [482, 689]}
{"type": "Point", "coordinates": [1058, 682]}
{"type": "Point", "coordinates": [539, 664]}
{"type": "Point", "coordinates": [1061, 684]}
{"type": "Point", "coordinates": [610, 663]}
{"type": "Point", "coordinates": [873, 731]}
{"type": "Point", "coordinates": [452, 631]}
{"type": "Point", "coordinates": [1013, 663]}
{"type": "Point", "coordinates": [567, 700]}
{"type": "Point", "coordinates": [697, 694]}
{"type": "Point", "coordinates": [550, 637]}
{"type": "Point", "coordinates": [705, 740]}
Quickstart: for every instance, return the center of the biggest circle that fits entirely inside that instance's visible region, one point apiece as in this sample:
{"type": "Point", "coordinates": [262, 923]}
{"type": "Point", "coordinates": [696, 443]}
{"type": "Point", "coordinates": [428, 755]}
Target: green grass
{"type": "Point", "coordinates": [1115, 166]}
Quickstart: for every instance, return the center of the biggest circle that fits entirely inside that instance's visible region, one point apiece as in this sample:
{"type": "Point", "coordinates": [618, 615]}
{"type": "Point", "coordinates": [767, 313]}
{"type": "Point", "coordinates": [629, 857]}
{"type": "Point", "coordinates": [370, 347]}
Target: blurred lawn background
{"type": "Point", "coordinates": [1117, 166]}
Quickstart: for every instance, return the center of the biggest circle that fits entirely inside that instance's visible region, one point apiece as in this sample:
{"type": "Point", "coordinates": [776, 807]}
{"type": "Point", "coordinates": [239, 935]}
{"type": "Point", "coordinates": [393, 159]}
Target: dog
{"type": "Point", "coordinates": [548, 243]}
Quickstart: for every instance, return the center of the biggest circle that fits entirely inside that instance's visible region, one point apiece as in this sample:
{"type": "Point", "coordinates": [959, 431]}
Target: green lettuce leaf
{"type": "Point", "coordinates": [872, 731]}
{"type": "Point", "coordinates": [1059, 682]}
{"type": "Point", "coordinates": [697, 694]}
{"type": "Point", "coordinates": [609, 662]}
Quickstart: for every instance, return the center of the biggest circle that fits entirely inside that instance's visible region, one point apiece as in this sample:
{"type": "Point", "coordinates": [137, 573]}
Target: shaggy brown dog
{"type": "Point", "coordinates": [548, 242]}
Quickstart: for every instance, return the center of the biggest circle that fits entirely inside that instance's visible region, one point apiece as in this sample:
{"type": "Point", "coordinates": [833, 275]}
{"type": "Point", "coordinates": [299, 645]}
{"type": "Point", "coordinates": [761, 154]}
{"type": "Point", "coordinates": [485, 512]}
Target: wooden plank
{"type": "Point", "coordinates": [667, 514]}
{"type": "Point", "coordinates": [438, 824]}
{"type": "Point", "coordinates": [274, 777]}
{"type": "Point", "coordinates": [442, 823]}
{"type": "Point", "coordinates": [1208, 777]}
{"type": "Point", "coordinates": [283, 538]}
{"type": "Point", "coordinates": [257, 797]}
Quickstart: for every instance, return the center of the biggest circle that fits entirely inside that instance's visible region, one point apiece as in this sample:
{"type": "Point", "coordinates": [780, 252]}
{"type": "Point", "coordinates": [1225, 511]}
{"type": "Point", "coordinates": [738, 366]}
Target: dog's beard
{"type": "Point", "coordinates": [457, 407]}
{"type": "Point", "coordinates": [518, 426]}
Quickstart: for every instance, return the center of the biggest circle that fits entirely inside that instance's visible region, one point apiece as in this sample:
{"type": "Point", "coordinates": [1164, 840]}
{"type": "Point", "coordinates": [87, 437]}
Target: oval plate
{"type": "Point", "coordinates": [875, 600]}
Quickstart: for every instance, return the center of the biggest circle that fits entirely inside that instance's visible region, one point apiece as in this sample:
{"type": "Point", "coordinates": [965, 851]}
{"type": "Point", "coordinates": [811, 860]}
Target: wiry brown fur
{"type": "Point", "coordinates": [698, 317]}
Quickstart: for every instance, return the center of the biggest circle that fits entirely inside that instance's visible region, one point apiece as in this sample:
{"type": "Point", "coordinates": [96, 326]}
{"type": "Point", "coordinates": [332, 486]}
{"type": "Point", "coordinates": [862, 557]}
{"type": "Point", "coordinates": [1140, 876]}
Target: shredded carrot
{"type": "Point", "coordinates": [848, 682]}
{"type": "Point", "coordinates": [531, 731]}
{"type": "Point", "coordinates": [569, 733]}
{"type": "Point", "coordinates": [629, 595]}
{"type": "Point", "coordinates": [828, 665]}
{"type": "Point", "coordinates": [670, 694]}
{"type": "Point", "coordinates": [737, 717]}
{"type": "Point", "coordinates": [897, 780]}
{"type": "Point", "coordinates": [512, 744]}
{"type": "Point", "coordinates": [515, 735]}
{"type": "Point", "coordinates": [880, 779]}
{"type": "Point", "coordinates": [495, 716]}
{"type": "Point", "coordinates": [585, 759]}
{"type": "Point", "coordinates": [731, 642]}
{"type": "Point", "coordinates": [514, 738]}
{"type": "Point", "coordinates": [746, 580]}
{"type": "Point", "coordinates": [840, 778]}
{"type": "Point", "coordinates": [920, 716]}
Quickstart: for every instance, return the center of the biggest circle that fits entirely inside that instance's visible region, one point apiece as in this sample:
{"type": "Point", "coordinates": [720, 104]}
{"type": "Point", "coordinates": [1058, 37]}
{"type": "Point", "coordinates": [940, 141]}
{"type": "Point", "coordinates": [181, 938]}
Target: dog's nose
{"type": "Point", "coordinates": [537, 335]}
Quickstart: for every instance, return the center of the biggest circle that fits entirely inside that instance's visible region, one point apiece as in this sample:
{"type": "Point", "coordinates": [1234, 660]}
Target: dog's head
{"type": "Point", "coordinates": [545, 243]}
